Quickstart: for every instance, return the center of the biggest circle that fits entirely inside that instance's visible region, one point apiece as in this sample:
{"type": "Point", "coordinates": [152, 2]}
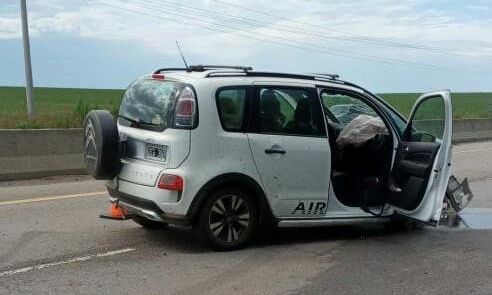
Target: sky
{"type": "Point", "coordinates": [385, 46]}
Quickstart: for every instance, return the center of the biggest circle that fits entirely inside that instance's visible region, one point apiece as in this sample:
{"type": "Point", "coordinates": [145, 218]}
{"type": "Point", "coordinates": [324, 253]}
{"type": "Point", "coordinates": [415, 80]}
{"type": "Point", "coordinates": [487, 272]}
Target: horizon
{"type": "Point", "coordinates": [123, 89]}
{"type": "Point", "coordinates": [107, 44]}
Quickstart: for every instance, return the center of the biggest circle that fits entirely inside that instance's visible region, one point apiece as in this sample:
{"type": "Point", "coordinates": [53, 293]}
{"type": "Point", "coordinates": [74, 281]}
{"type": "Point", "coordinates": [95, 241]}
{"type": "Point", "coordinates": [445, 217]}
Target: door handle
{"type": "Point", "coordinates": [274, 151]}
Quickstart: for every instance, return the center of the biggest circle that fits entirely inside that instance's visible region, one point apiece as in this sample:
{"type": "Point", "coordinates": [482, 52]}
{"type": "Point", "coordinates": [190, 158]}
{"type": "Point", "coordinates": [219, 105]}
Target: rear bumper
{"type": "Point", "coordinates": [146, 208]}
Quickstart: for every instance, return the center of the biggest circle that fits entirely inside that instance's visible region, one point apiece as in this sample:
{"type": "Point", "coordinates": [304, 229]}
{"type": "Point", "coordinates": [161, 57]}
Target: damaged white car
{"type": "Point", "coordinates": [228, 150]}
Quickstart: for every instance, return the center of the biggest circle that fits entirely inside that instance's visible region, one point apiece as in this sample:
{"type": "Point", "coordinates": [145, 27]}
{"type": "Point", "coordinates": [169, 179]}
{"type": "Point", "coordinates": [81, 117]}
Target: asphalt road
{"type": "Point", "coordinates": [52, 242]}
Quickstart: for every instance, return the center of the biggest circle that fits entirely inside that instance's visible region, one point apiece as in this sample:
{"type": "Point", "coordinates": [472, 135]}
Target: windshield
{"type": "Point", "coordinates": [398, 119]}
{"type": "Point", "coordinates": [148, 104]}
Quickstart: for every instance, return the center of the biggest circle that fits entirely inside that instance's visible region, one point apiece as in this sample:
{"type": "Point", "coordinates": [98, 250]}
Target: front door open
{"type": "Point", "coordinates": [423, 159]}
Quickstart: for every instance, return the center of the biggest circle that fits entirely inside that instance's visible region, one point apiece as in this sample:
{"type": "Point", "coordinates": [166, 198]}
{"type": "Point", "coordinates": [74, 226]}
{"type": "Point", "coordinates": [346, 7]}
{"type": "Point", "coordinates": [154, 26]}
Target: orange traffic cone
{"type": "Point", "coordinates": [115, 212]}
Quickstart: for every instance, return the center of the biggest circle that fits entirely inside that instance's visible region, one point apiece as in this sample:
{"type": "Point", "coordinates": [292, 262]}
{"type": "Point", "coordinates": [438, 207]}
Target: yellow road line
{"type": "Point", "coordinates": [51, 198]}
{"type": "Point", "coordinates": [472, 151]}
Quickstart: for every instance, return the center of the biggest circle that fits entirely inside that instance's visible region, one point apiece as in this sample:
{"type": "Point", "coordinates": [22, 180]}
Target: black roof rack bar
{"type": "Point", "coordinates": [326, 77]}
{"type": "Point", "coordinates": [248, 71]}
{"type": "Point", "coordinates": [201, 68]}
{"type": "Point", "coordinates": [281, 75]}
{"type": "Point", "coordinates": [169, 70]}
{"type": "Point", "coordinates": [219, 73]}
{"type": "Point", "coordinates": [333, 76]}
{"type": "Point", "coordinates": [293, 76]}
{"type": "Point", "coordinates": [217, 67]}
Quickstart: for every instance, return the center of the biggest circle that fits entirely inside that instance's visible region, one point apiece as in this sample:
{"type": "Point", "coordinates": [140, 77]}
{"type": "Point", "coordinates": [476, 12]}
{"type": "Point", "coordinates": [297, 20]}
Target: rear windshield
{"type": "Point", "coordinates": [148, 104]}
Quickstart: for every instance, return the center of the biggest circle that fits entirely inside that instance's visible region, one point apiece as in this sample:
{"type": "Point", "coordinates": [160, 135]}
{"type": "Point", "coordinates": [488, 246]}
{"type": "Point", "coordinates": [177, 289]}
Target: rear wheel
{"type": "Point", "coordinates": [227, 220]}
{"type": "Point", "coordinates": [149, 224]}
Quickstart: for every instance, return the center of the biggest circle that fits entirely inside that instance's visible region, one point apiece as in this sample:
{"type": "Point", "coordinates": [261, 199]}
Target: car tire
{"type": "Point", "coordinates": [101, 145]}
{"type": "Point", "coordinates": [227, 220]}
{"type": "Point", "coordinates": [149, 224]}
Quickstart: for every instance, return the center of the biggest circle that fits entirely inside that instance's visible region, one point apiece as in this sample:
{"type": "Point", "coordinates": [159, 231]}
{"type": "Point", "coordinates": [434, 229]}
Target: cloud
{"type": "Point", "coordinates": [146, 22]}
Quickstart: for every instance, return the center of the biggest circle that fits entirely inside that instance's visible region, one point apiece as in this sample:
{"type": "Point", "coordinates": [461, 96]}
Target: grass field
{"type": "Point", "coordinates": [55, 107]}
{"type": "Point", "coordinates": [66, 107]}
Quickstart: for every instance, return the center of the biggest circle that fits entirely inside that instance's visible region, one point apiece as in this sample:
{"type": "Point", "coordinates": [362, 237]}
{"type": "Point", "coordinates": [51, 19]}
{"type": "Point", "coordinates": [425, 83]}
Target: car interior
{"type": "Point", "coordinates": [361, 147]}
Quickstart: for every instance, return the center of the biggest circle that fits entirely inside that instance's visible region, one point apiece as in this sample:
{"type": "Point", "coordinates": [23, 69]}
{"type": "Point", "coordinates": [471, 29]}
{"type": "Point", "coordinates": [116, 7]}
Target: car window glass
{"type": "Point", "coordinates": [231, 104]}
{"type": "Point", "coordinates": [292, 111]}
{"type": "Point", "coordinates": [344, 108]}
{"type": "Point", "coordinates": [148, 102]}
{"type": "Point", "coordinates": [428, 120]}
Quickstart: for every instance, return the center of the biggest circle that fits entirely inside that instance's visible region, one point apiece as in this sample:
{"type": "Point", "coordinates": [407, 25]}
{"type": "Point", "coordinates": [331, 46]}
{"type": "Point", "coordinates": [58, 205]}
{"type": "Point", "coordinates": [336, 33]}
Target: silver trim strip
{"type": "Point", "coordinates": [332, 221]}
{"type": "Point", "coordinates": [141, 212]}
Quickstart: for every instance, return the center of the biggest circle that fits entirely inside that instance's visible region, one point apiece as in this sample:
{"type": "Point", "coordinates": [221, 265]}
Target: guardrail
{"type": "Point", "coordinates": [35, 153]}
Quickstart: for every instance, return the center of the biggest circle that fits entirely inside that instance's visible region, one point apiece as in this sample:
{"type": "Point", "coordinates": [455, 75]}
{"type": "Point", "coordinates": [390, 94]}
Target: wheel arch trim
{"type": "Point", "coordinates": [231, 179]}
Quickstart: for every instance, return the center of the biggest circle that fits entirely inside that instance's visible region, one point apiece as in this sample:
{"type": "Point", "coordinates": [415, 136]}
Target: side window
{"type": "Point", "coordinates": [428, 120]}
{"type": "Point", "coordinates": [290, 111]}
{"type": "Point", "coordinates": [351, 120]}
{"type": "Point", "coordinates": [231, 104]}
{"type": "Point", "coordinates": [344, 108]}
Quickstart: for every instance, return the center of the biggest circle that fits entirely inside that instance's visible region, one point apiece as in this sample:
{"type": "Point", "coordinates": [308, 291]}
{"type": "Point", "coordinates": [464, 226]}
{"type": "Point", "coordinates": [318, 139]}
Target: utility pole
{"type": "Point", "coordinates": [27, 60]}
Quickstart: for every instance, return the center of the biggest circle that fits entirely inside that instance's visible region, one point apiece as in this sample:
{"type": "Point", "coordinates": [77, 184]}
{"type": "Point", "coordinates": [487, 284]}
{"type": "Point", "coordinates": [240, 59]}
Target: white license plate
{"type": "Point", "coordinates": [156, 152]}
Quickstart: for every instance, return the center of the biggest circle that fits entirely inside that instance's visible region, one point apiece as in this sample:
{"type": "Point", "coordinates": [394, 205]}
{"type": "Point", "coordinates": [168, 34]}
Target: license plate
{"type": "Point", "coordinates": [156, 152]}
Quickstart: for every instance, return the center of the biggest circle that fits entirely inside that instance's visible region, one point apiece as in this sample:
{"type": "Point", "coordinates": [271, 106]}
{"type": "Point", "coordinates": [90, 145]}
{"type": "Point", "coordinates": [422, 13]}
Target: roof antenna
{"type": "Point", "coordinates": [182, 56]}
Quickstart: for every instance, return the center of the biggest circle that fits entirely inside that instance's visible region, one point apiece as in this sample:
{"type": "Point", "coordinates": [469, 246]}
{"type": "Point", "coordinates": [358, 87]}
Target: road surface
{"type": "Point", "coordinates": [52, 242]}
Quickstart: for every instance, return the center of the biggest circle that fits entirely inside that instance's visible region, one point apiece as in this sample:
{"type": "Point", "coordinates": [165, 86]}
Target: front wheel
{"type": "Point", "coordinates": [227, 220]}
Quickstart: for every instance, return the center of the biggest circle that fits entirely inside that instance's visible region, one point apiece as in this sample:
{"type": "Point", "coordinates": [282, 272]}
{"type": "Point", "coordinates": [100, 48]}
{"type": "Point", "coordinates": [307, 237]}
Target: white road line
{"type": "Point", "coordinates": [472, 151]}
{"type": "Point", "coordinates": [72, 260]}
{"type": "Point", "coordinates": [51, 198]}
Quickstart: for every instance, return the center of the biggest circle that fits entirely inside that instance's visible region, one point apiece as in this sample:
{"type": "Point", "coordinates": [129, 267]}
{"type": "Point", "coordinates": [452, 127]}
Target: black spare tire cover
{"type": "Point", "coordinates": [101, 145]}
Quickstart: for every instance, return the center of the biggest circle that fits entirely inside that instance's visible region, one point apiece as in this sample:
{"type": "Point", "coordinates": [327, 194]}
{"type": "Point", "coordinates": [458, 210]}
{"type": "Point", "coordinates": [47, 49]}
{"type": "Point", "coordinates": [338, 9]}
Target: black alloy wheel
{"type": "Point", "coordinates": [228, 220]}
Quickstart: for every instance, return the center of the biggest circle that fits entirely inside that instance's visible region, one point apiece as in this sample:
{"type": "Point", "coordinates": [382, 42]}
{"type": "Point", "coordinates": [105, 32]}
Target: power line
{"type": "Point", "coordinates": [255, 23]}
{"type": "Point", "coordinates": [356, 37]}
{"type": "Point", "coordinates": [289, 43]}
{"type": "Point", "coordinates": [288, 28]}
{"type": "Point", "coordinates": [302, 45]}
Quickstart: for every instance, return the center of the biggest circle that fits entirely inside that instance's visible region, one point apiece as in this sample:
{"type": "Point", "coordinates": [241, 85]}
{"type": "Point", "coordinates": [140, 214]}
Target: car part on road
{"type": "Point", "coordinates": [458, 195]}
{"type": "Point", "coordinates": [227, 220]}
{"type": "Point", "coordinates": [101, 145]}
{"type": "Point", "coordinates": [149, 224]}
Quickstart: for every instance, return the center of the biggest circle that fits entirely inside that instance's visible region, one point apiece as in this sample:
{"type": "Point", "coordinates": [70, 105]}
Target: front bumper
{"type": "Point", "coordinates": [146, 208]}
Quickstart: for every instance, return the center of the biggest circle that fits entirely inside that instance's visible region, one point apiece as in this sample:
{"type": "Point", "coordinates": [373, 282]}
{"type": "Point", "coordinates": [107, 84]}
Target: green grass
{"type": "Point", "coordinates": [55, 107]}
{"type": "Point", "coordinates": [66, 107]}
{"type": "Point", "coordinates": [465, 105]}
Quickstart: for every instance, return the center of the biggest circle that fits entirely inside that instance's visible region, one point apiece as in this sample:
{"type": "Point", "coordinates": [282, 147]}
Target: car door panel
{"type": "Point", "coordinates": [294, 175]}
{"type": "Point", "coordinates": [416, 158]}
{"type": "Point", "coordinates": [421, 168]}
{"type": "Point", "coordinates": [291, 151]}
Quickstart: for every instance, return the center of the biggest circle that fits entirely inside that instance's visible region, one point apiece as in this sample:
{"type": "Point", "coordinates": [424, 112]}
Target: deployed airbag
{"type": "Point", "coordinates": [360, 130]}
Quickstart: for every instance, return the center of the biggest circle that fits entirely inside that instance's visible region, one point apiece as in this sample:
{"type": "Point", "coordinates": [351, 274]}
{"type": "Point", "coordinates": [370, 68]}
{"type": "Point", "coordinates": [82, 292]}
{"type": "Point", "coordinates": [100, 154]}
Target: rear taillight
{"type": "Point", "coordinates": [158, 76]}
{"type": "Point", "coordinates": [171, 182]}
{"type": "Point", "coordinates": [185, 111]}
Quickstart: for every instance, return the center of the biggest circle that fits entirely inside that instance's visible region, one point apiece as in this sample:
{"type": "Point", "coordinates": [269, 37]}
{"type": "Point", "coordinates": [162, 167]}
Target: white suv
{"type": "Point", "coordinates": [229, 149]}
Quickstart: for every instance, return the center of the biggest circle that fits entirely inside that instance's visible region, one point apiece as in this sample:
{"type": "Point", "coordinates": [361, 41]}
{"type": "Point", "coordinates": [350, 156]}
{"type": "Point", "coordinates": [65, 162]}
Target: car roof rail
{"type": "Point", "coordinates": [225, 73]}
{"type": "Point", "coordinates": [201, 68]}
{"type": "Point", "coordinates": [326, 77]}
{"type": "Point", "coordinates": [169, 70]}
{"type": "Point", "coordinates": [332, 76]}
